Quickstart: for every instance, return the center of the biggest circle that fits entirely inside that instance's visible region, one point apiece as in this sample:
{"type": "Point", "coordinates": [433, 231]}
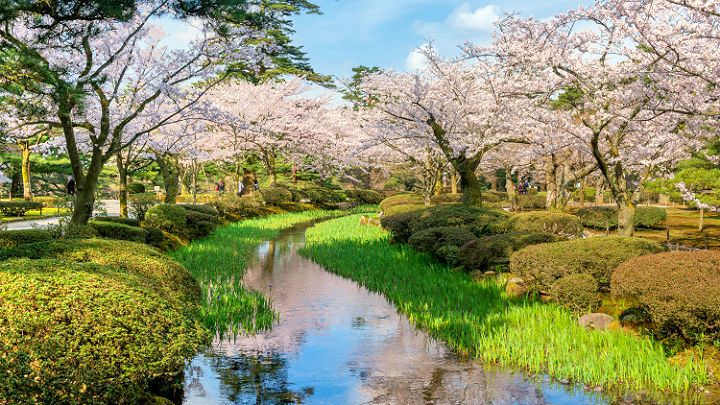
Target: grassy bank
{"type": "Point", "coordinates": [478, 319]}
{"type": "Point", "coordinates": [218, 262]}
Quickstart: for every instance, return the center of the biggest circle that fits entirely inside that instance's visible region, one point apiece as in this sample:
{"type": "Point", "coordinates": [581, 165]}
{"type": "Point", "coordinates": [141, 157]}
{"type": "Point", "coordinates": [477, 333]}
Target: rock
{"type": "Point", "coordinates": [596, 321]}
{"type": "Point", "coordinates": [489, 274]}
{"type": "Point", "coordinates": [516, 280]}
{"type": "Point", "coordinates": [515, 289]}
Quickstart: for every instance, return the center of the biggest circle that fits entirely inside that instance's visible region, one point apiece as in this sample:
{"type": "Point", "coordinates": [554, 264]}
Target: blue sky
{"type": "Point", "coordinates": [385, 32]}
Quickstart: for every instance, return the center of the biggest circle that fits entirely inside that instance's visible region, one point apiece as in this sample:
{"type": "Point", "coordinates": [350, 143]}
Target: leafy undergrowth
{"type": "Point", "coordinates": [478, 319]}
{"type": "Point", "coordinates": [218, 262]}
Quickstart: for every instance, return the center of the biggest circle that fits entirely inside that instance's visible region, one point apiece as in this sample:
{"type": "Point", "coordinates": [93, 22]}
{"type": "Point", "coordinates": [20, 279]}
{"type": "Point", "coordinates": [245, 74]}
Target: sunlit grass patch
{"type": "Point", "coordinates": [478, 319]}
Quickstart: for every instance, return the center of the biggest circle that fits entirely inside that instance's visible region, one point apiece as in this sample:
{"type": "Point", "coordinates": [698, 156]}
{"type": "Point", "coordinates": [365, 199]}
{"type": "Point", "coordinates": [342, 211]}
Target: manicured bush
{"type": "Point", "coordinates": [156, 270]}
{"type": "Point", "coordinates": [598, 217]}
{"type": "Point", "coordinates": [169, 218]}
{"type": "Point", "coordinates": [156, 238]}
{"type": "Point", "coordinates": [86, 333]}
{"type": "Point", "coordinates": [678, 290]}
{"type": "Point", "coordinates": [136, 188]}
{"type": "Point", "coordinates": [494, 196]}
{"type": "Point", "coordinates": [442, 242]}
{"type": "Point", "coordinates": [649, 217]}
{"type": "Point", "coordinates": [139, 204]}
{"type": "Point", "coordinates": [51, 201]}
{"type": "Point", "coordinates": [119, 220]}
{"type": "Point", "coordinates": [202, 208]}
{"type": "Point", "coordinates": [200, 225]}
{"type": "Point", "coordinates": [577, 292]}
{"type": "Point", "coordinates": [400, 224]}
{"type": "Point", "coordinates": [18, 208]}
{"type": "Point", "coordinates": [446, 199]}
{"type": "Point", "coordinates": [528, 202]}
{"type": "Point", "coordinates": [118, 231]}
{"type": "Point", "coordinates": [364, 196]}
{"type": "Point", "coordinates": [234, 208]}
{"type": "Point", "coordinates": [297, 194]}
{"type": "Point", "coordinates": [489, 252]}
{"type": "Point", "coordinates": [564, 225]}
{"type": "Point", "coordinates": [400, 199]}
{"type": "Point", "coordinates": [193, 217]}
{"type": "Point", "coordinates": [14, 238]}
{"type": "Point", "coordinates": [276, 195]}
{"type": "Point", "coordinates": [325, 196]}
{"type": "Point", "coordinates": [541, 265]}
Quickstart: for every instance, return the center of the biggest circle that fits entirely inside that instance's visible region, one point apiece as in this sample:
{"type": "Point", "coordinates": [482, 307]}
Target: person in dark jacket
{"type": "Point", "coordinates": [70, 186]}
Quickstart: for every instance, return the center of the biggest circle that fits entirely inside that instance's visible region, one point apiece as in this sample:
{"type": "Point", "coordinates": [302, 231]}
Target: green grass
{"type": "Point", "coordinates": [218, 262]}
{"type": "Point", "coordinates": [478, 319]}
{"type": "Point", "coordinates": [37, 214]}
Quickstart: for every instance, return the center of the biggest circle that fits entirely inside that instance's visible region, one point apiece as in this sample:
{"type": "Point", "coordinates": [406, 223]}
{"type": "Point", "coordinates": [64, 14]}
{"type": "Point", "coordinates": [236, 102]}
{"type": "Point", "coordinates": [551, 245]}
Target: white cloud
{"type": "Point", "coordinates": [415, 60]}
{"type": "Point", "coordinates": [480, 19]}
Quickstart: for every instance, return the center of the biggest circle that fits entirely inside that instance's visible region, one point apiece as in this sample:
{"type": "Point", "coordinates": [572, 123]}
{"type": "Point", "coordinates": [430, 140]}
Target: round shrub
{"type": "Point", "coordinates": [169, 218]}
{"type": "Point", "coordinates": [494, 196]}
{"type": "Point", "coordinates": [86, 333]}
{"type": "Point", "coordinates": [446, 199]}
{"type": "Point", "coordinates": [325, 196]}
{"type": "Point", "coordinates": [556, 223]}
{"type": "Point", "coordinates": [678, 290]}
{"type": "Point", "coordinates": [400, 224]}
{"type": "Point", "coordinates": [111, 230]}
{"type": "Point", "coordinates": [527, 202]}
{"type": "Point", "coordinates": [598, 217]}
{"type": "Point", "coordinates": [442, 242]}
{"type": "Point", "coordinates": [489, 252]}
{"type": "Point", "coordinates": [18, 208]}
{"type": "Point", "coordinates": [479, 221]}
{"type": "Point", "coordinates": [18, 237]}
{"type": "Point", "coordinates": [364, 196]}
{"type": "Point", "coordinates": [297, 194]}
{"type": "Point", "coordinates": [576, 292]}
{"type": "Point", "coordinates": [136, 188]}
{"type": "Point", "coordinates": [156, 238]}
{"type": "Point", "coordinates": [541, 265]}
{"type": "Point", "coordinates": [139, 204]}
{"type": "Point", "coordinates": [400, 199]}
{"type": "Point", "coordinates": [118, 220]}
{"type": "Point", "coordinates": [202, 208]}
{"type": "Point", "coordinates": [276, 195]}
{"type": "Point", "coordinates": [649, 217]}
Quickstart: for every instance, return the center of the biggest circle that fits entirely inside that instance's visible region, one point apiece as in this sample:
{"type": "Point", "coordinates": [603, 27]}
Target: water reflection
{"type": "Point", "coordinates": [336, 343]}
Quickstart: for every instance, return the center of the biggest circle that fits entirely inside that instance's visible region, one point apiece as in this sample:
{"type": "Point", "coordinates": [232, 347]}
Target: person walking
{"type": "Point", "coordinates": [221, 186]}
{"type": "Point", "coordinates": [70, 186]}
{"type": "Point", "coordinates": [256, 186]}
{"type": "Point", "coordinates": [241, 187]}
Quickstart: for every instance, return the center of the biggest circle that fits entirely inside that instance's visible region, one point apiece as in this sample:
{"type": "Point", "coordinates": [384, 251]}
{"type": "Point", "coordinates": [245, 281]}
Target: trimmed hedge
{"type": "Point", "coordinates": [86, 333]}
{"type": "Point", "coordinates": [118, 231]}
{"type": "Point", "coordinates": [18, 208]}
{"type": "Point", "coordinates": [607, 217]}
{"type": "Point", "coordinates": [169, 218]}
{"type": "Point", "coordinates": [324, 196]}
{"type": "Point", "coordinates": [276, 195]}
{"type": "Point", "coordinates": [441, 242]}
{"type": "Point", "coordinates": [400, 199]}
{"type": "Point", "coordinates": [489, 252]}
{"type": "Point", "coordinates": [541, 265]}
{"type": "Point", "coordinates": [136, 188]}
{"type": "Point", "coordinates": [527, 202]}
{"type": "Point", "coordinates": [446, 199]}
{"type": "Point", "coordinates": [678, 290]}
{"type": "Point", "coordinates": [479, 221]}
{"type": "Point", "coordinates": [12, 238]}
{"type": "Point", "coordinates": [576, 292]}
{"type": "Point", "coordinates": [556, 223]}
{"type": "Point", "coordinates": [202, 208]}
{"type": "Point", "coordinates": [156, 238]}
{"type": "Point", "coordinates": [494, 196]}
{"type": "Point", "coordinates": [364, 196]}
{"type": "Point", "coordinates": [119, 220]}
{"type": "Point", "coordinates": [139, 204]}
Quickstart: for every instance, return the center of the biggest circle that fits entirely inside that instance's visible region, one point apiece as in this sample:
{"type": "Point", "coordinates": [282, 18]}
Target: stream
{"type": "Point", "coordinates": [337, 343]}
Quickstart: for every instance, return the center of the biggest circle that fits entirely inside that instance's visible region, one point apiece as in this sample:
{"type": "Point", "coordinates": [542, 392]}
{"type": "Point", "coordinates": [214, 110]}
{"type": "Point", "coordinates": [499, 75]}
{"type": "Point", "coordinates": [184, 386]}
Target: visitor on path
{"type": "Point", "coordinates": [256, 186]}
{"type": "Point", "coordinates": [220, 186]}
{"type": "Point", "coordinates": [70, 186]}
{"type": "Point", "coordinates": [241, 187]}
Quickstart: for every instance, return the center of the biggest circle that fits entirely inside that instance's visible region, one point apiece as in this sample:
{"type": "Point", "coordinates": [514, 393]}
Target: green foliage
{"type": "Point", "coordinates": [446, 199]}
{"type": "Point", "coordinates": [169, 218]}
{"type": "Point", "coordinates": [139, 204]}
{"type": "Point", "coordinates": [398, 200]}
{"type": "Point", "coordinates": [118, 220]}
{"type": "Point", "coordinates": [542, 265]}
{"type": "Point", "coordinates": [69, 326]}
{"type": "Point", "coordinates": [202, 208]}
{"type": "Point", "coordinates": [218, 263]}
{"type": "Point", "coordinates": [598, 217]}
{"type": "Point", "coordinates": [556, 223]}
{"type": "Point", "coordinates": [476, 318]}
{"type": "Point", "coordinates": [136, 188]}
{"type": "Point", "coordinates": [649, 217]}
{"type": "Point", "coordinates": [678, 290]}
{"type": "Point", "coordinates": [156, 238]}
{"type": "Point", "coordinates": [18, 208]}
{"type": "Point", "coordinates": [112, 230]}
{"type": "Point", "coordinates": [576, 292]}
{"type": "Point", "coordinates": [529, 202]}
{"type": "Point", "coordinates": [14, 238]}
{"type": "Point", "coordinates": [325, 196]}
{"type": "Point", "coordinates": [364, 196]}
{"type": "Point", "coordinates": [489, 252]}
{"type": "Point", "coordinates": [276, 195]}
{"type": "Point", "coordinates": [442, 242]}
{"type": "Point", "coordinates": [494, 196]}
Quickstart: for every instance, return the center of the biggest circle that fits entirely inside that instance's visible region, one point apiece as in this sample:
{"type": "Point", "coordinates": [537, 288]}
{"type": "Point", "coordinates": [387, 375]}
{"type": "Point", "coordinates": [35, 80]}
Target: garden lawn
{"type": "Point", "coordinates": [37, 214]}
{"type": "Point", "coordinates": [478, 319]}
{"type": "Point", "coordinates": [218, 262]}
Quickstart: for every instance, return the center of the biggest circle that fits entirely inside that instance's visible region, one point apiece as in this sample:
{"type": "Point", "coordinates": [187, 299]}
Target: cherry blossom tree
{"type": "Point", "coordinates": [104, 78]}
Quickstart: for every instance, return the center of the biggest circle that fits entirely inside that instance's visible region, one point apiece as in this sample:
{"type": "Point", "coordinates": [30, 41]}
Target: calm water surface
{"type": "Point", "coordinates": [336, 343]}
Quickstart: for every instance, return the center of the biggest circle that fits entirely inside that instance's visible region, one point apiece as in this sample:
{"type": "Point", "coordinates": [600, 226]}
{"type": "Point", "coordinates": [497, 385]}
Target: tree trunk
{"type": "Point", "coordinates": [551, 183]}
{"type": "Point", "coordinates": [582, 192]}
{"type": "Point", "coordinates": [85, 190]}
{"type": "Point", "coordinates": [453, 183]}
{"type": "Point", "coordinates": [25, 168]}
{"type": "Point", "coordinates": [171, 178]}
{"type": "Point", "coordinates": [294, 174]}
{"type": "Point", "coordinates": [511, 192]}
{"type": "Point", "coordinates": [626, 218]}
{"type": "Point", "coordinates": [123, 180]}
{"type": "Point", "coordinates": [599, 192]}
{"type": "Point", "coordinates": [493, 182]}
